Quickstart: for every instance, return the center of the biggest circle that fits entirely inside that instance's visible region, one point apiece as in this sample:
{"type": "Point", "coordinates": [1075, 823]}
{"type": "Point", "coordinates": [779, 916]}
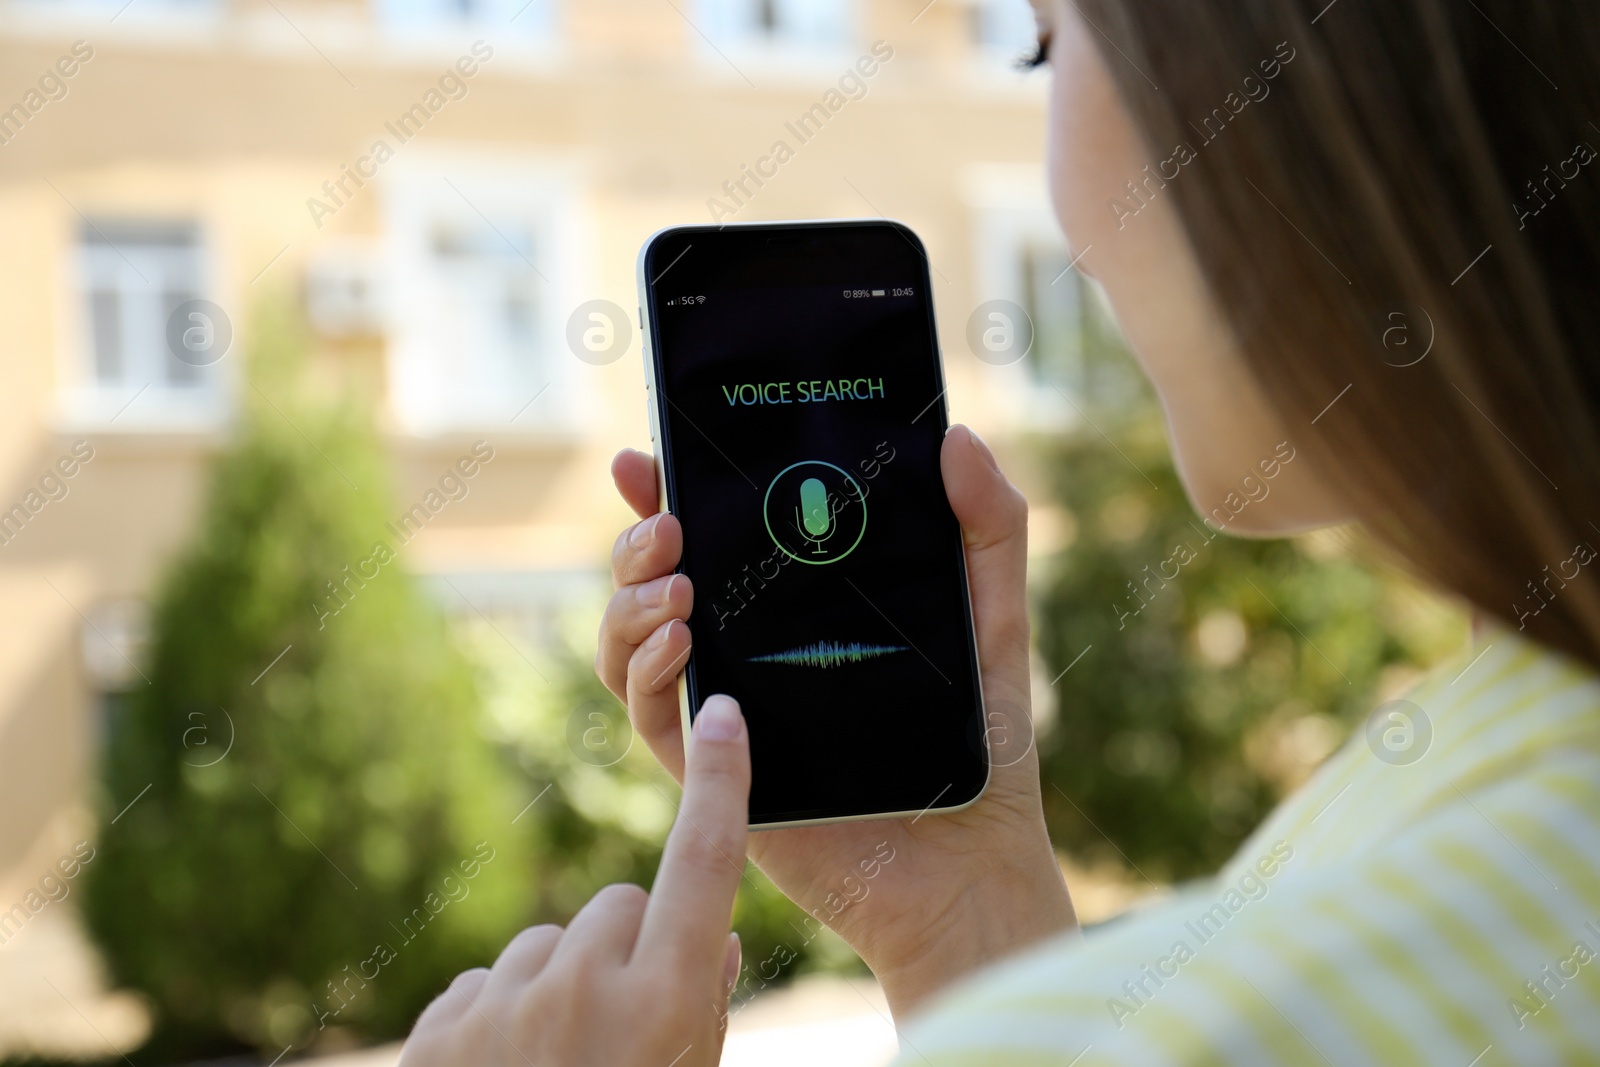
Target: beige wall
{"type": "Point", "coordinates": [236, 122]}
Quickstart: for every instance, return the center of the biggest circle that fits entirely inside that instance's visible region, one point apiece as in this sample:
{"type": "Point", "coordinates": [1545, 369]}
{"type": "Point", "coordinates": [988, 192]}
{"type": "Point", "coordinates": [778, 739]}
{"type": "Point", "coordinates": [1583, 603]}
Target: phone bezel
{"type": "Point", "coordinates": [657, 417]}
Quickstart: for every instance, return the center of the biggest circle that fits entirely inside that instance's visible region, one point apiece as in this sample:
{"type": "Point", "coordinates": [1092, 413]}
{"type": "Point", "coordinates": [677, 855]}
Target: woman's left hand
{"type": "Point", "coordinates": [635, 978]}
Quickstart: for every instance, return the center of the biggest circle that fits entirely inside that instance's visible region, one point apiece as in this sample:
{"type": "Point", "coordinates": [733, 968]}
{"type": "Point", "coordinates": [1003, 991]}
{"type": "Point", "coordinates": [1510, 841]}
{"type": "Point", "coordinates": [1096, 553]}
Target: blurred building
{"type": "Point", "coordinates": [441, 184]}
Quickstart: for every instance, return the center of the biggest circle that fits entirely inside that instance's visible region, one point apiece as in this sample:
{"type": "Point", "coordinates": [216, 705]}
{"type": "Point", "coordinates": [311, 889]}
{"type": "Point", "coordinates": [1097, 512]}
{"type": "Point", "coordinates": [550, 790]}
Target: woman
{"type": "Point", "coordinates": [1368, 228]}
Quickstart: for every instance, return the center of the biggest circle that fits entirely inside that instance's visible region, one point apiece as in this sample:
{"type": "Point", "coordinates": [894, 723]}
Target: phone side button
{"type": "Point", "coordinates": [650, 412]}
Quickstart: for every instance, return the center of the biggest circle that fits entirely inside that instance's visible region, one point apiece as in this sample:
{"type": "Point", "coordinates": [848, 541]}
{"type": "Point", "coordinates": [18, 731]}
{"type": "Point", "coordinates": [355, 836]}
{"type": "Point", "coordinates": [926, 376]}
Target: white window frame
{"type": "Point", "coordinates": [437, 383]}
{"type": "Point", "coordinates": [108, 254]}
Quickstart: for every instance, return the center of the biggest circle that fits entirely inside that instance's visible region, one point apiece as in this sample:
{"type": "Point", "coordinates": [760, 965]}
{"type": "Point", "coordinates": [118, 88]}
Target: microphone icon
{"type": "Point", "coordinates": [806, 505]}
{"type": "Point", "coordinates": [812, 518]}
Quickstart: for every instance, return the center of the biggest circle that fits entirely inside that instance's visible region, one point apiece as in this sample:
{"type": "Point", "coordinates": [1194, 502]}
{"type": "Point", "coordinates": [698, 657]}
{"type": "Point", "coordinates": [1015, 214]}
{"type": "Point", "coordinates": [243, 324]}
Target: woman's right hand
{"type": "Point", "coordinates": [957, 891]}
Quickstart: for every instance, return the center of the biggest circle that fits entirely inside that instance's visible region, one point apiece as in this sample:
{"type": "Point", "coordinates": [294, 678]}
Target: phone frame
{"type": "Point", "coordinates": [653, 405]}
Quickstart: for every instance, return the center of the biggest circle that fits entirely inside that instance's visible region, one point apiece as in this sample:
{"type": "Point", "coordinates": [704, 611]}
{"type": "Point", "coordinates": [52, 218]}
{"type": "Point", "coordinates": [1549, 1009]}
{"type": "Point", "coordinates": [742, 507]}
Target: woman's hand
{"type": "Point", "coordinates": [636, 979]}
{"type": "Point", "coordinates": [955, 891]}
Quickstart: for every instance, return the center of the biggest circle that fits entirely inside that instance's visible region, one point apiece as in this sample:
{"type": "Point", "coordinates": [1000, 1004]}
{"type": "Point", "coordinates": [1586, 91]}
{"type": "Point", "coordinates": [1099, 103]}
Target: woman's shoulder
{"type": "Point", "coordinates": [1505, 712]}
{"type": "Point", "coordinates": [1410, 910]}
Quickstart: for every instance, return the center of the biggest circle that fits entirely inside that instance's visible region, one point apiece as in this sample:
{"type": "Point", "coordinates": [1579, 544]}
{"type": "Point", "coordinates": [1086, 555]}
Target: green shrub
{"type": "Point", "coordinates": [359, 803]}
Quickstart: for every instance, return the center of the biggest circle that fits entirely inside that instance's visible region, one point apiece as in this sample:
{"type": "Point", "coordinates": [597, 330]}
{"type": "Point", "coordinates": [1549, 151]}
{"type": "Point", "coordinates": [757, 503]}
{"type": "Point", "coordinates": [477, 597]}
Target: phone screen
{"type": "Point", "coordinates": [801, 413]}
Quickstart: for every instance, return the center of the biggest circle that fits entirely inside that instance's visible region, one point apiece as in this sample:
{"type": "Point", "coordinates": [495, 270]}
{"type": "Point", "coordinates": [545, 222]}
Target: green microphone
{"type": "Point", "coordinates": [814, 506]}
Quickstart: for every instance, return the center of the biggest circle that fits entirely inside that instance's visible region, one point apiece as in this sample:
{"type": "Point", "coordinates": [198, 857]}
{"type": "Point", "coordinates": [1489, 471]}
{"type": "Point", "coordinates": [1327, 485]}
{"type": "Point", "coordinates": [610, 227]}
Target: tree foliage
{"type": "Point", "coordinates": [320, 832]}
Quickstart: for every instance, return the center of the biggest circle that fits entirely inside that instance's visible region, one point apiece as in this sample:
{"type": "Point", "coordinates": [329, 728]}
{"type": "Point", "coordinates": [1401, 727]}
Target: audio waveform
{"type": "Point", "coordinates": [826, 654]}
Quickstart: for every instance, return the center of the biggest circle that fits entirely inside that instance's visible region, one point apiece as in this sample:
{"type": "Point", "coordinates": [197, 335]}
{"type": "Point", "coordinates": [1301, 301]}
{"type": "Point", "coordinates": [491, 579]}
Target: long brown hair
{"type": "Point", "coordinates": [1419, 171]}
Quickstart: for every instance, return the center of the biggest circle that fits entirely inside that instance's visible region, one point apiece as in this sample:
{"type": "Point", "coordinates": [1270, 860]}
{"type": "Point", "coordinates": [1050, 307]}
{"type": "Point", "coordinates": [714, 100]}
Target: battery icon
{"type": "Point", "coordinates": [877, 292]}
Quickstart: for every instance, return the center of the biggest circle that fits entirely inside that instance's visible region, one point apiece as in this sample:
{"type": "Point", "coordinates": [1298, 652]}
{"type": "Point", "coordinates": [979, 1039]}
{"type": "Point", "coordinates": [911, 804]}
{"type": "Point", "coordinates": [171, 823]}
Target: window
{"type": "Point", "coordinates": [134, 277]}
{"type": "Point", "coordinates": [1054, 298]}
{"type": "Point", "coordinates": [71, 16]}
{"type": "Point", "coordinates": [1075, 337]}
{"type": "Point", "coordinates": [479, 299]}
{"type": "Point", "coordinates": [489, 302]}
{"type": "Point", "coordinates": [789, 25]}
{"type": "Point", "coordinates": [1023, 258]}
{"type": "Point", "coordinates": [1076, 341]}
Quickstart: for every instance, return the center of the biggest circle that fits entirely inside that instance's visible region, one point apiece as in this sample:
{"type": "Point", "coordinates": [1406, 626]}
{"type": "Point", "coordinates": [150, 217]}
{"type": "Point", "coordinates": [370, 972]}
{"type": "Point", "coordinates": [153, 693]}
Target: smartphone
{"type": "Point", "coordinates": [797, 407]}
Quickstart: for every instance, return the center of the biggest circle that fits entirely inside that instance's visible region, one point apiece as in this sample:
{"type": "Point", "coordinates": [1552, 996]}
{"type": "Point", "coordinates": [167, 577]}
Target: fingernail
{"type": "Point", "coordinates": [656, 593]}
{"type": "Point", "coordinates": [645, 532]}
{"type": "Point", "coordinates": [730, 964]}
{"type": "Point", "coordinates": [719, 719]}
{"type": "Point", "coordinates": [659, 638]}
{"type": "Point", "coordinates": [983, 450]}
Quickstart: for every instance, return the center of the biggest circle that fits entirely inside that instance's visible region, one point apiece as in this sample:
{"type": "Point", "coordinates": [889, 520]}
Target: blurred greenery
{"type": "Point", "coordinates": [1222, 670]}
{"type": "Point", "coordinates": [301, 811]}
{"type": "Point", "coordinates": [387, 747]}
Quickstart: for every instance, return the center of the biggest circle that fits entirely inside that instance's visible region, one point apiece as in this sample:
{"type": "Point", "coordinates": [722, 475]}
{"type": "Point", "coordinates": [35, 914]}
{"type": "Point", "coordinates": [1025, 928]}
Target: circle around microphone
{"type": "Point", "coordinates": [766, 516]}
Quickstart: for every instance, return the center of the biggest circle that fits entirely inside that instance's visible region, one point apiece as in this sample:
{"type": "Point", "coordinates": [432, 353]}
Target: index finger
{"type": "Point", "coordinates": [686, 920]}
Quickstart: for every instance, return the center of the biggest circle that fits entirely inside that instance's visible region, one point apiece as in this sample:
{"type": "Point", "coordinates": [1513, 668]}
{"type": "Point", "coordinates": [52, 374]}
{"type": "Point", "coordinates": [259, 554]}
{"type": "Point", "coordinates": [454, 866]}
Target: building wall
{"type": "Point", "coordinates": [619, 115]}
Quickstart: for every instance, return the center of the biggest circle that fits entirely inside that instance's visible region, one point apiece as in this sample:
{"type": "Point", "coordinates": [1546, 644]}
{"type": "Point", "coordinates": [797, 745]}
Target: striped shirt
{"type": "Point", "coordinates": [1430, 896]}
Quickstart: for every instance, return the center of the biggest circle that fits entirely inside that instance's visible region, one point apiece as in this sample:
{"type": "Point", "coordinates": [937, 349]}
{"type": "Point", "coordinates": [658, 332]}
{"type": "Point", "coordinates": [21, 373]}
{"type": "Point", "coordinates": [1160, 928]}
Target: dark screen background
{"type": "Point", "coordinates": [894, 732]}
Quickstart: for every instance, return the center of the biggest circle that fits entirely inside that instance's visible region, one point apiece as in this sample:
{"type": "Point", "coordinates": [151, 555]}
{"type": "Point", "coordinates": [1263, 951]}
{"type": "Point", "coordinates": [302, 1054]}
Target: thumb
{"type": "Point", "coordinates": [994, 528]}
